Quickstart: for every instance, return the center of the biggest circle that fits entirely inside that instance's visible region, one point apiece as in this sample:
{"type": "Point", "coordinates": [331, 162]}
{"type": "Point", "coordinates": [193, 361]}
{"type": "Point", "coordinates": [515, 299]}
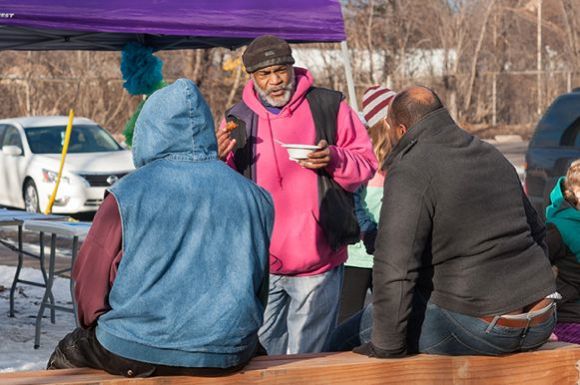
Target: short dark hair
{"type": "Point", "coordinates": [410, 106]}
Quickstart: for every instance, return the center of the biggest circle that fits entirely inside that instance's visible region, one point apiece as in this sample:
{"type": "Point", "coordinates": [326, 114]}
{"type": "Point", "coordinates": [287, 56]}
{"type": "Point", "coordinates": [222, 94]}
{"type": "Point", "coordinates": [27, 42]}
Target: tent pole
{"type": "Point", "coordinates": [348, 73]}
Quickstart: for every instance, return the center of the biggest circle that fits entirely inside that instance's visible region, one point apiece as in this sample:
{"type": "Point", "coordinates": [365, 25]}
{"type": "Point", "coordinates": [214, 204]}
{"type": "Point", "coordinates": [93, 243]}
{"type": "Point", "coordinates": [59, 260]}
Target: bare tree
{"type": "Point", "coordinates": [476, 54]}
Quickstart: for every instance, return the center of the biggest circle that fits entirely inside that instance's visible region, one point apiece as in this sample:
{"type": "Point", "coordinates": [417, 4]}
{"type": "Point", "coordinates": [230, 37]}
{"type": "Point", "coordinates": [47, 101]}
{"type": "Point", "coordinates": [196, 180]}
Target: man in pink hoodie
{"type": "Point", "coordinates": [279, 105]}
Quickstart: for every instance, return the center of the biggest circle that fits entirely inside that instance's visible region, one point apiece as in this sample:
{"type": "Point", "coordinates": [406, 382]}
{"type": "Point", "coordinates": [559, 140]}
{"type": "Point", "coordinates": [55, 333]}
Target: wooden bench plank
{"type": "Point", "coordinates": [557, 367]}
{"type": "Point", "coordinates": [63, 376]}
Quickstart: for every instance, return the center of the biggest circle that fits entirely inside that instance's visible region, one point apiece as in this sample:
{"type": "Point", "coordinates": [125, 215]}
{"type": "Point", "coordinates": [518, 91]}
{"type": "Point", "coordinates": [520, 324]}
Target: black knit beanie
{"type": "Point", "coordinates": [266, 51]}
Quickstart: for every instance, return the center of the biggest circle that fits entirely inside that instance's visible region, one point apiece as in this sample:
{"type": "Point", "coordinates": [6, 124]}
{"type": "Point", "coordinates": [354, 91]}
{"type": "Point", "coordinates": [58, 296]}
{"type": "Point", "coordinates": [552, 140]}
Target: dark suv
{"type": "Point", "coordinates": [554, 145]}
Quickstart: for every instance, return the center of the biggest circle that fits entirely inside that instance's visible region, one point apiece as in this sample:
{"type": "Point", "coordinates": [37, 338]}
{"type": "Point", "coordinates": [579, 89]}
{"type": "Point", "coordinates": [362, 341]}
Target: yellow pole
{"type": "Point", "coordinates": [71, 115]}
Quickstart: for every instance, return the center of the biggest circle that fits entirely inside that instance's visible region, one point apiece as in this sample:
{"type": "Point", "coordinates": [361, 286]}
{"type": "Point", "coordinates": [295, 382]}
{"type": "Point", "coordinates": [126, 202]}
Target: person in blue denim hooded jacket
{"type": "Point", "coordinates": [172, 278]}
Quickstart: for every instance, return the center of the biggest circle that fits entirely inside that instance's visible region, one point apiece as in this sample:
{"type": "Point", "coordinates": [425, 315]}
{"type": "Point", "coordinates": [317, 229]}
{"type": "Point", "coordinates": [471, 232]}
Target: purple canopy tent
{"type": "Point", "coordinates": [107, 25]}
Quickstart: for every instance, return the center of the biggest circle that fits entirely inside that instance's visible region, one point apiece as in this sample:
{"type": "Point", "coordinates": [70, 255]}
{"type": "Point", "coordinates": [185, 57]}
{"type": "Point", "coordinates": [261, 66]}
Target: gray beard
{"type": "Point", "coordinates": [280, 102]}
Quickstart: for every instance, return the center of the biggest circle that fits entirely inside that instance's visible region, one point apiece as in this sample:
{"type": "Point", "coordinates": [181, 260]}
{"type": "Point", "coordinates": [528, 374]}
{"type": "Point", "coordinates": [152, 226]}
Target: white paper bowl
{"type": "Point", "coordinates": [299, 151]}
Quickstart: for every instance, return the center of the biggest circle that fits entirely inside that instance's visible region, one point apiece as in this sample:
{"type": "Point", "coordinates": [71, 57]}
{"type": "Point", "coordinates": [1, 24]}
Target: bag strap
{"type": "Point", "coordinates": [337, 218]}
{"type": "Point", "coordinates": [324, 105]}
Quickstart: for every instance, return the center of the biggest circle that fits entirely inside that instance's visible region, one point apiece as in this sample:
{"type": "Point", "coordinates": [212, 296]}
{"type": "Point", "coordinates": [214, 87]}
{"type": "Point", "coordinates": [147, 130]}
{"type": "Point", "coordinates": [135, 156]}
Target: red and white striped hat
{"type": "Point", "coordinates": [375, 102]}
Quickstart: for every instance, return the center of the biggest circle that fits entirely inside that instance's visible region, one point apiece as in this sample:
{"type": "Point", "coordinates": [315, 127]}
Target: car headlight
{"type": "Point", "coordinates": [49, 176]}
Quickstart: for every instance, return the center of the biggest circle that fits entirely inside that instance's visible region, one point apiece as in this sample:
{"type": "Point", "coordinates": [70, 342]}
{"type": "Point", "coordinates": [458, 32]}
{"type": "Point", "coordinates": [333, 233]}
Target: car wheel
{"type": "Point", "coordinates": [31, 197]}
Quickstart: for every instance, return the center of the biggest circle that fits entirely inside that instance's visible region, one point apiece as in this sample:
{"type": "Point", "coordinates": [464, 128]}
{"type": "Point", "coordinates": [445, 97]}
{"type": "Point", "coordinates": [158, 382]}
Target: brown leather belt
{"type": "Point", "coordinates": [522, 323]}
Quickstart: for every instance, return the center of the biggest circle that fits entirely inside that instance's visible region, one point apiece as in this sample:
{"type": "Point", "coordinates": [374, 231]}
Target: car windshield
{"type": "Point", "coordinates": [84, 138]}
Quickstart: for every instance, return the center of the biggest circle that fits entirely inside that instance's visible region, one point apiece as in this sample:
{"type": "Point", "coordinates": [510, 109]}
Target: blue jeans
{"type": "Point", "coordinates": [301, 312]}
{"type": "Point", "coordinates": [446, 332]}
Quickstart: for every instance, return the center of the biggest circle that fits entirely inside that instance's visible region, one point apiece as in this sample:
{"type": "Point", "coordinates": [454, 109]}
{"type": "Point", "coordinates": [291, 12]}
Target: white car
{"type": "Point", "coordinates": [30, 152]}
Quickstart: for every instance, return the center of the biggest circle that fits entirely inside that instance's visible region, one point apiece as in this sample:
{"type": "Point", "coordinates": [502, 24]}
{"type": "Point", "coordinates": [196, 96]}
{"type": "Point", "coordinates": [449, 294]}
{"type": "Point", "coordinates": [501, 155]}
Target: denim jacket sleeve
{"type": "Point", "coordinates": [363, 216]}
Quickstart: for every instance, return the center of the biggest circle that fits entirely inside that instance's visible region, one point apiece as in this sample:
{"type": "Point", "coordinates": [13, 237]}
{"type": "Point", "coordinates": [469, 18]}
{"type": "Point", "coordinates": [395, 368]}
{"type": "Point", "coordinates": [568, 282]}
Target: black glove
{"type": "Point", "coordinates": [370, 350]}
{"type": "Point", "coordinates": [369, 241]}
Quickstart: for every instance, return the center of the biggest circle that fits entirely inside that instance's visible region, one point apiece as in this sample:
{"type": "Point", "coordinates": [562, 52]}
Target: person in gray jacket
{"type": "Point", "coordinates": [460, 264]}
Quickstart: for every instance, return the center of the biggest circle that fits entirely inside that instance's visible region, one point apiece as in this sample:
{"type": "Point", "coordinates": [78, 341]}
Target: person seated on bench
{"type": "Point", "coordinates": [172, 276]}
{"type": "Point", "coordinates": [563, 238]}
{"type": "Point", "coordinates": [460, 265]}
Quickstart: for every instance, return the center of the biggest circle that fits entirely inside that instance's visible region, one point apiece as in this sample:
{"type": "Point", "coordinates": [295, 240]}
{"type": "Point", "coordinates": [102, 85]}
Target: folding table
{"type": "Point", "coordinates": [16, 218]}
{"type": "Point", "coordinates": [74, 230]}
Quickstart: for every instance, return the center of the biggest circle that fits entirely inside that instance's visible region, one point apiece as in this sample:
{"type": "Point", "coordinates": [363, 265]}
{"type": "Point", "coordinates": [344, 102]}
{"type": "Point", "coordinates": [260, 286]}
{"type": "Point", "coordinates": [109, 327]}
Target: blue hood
{"type": "Point", "coordinates": [175, 127]}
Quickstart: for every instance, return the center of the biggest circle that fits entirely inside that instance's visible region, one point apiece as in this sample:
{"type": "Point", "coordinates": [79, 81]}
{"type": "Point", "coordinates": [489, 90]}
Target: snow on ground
{"type": "Point", "coordinates": [17, 334]}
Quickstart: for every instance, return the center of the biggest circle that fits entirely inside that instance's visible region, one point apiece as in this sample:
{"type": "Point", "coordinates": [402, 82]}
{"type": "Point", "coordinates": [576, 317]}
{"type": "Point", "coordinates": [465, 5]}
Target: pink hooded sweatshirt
{"type": "Point", "coordinates": [298, 246]}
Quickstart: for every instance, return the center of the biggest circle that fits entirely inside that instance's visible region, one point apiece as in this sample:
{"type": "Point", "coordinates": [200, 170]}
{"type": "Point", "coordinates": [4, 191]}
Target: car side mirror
{"type": "Point", "coordinates": [12, 150]}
